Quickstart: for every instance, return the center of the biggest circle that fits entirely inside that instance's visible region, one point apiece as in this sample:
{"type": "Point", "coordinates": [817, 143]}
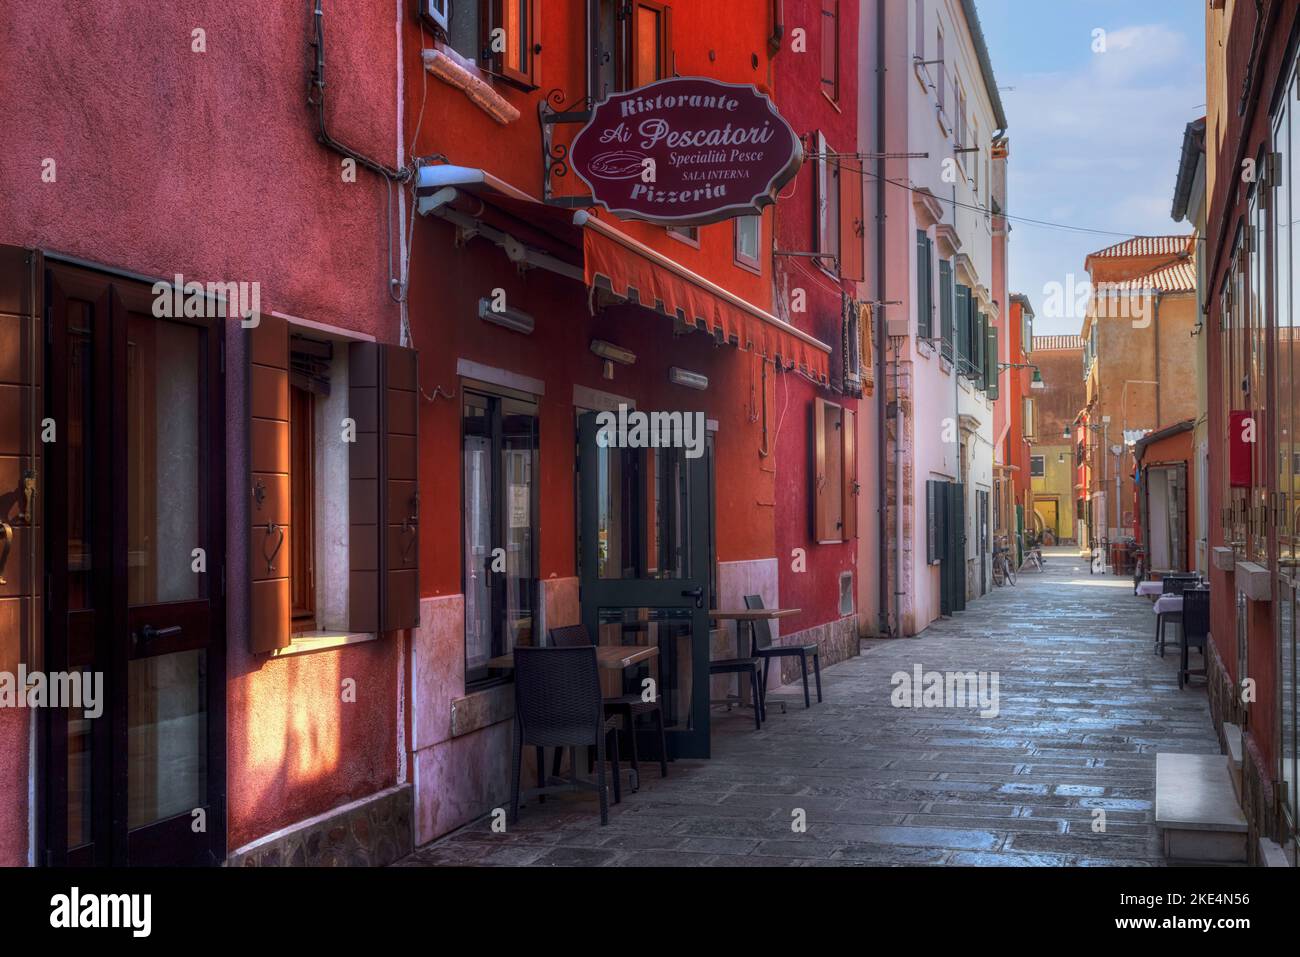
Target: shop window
{"type": "Point", "coordinates": [499, 462]}
{"type": "Point", "coordinates": [835, 479]}
{"type": "Point", "coordinates": [1036, 466]}
{"type": "Point", "coordinates": [748, 236]}
{"type": "Point", "coordinates": [831, 49]}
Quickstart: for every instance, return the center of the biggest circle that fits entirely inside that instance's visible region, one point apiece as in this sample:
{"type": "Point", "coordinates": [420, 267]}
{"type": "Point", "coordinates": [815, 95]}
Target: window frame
{"type": "Point", "coordinates": [755, 264]}
{"type": "Point", "coordinates": [1042, 466]}
{"type": "Point", "coordinates": [834, 480]}
{"type": "Point", "coordinates": [826, 233]}
{"type": "Point", "coordinates": [830, 13]}
{"type": "Point", "coordinates": [526, 77]}
{"type": "Point", "coordinates": [633, 40]}
{"type": "Point", "coordinates": [303, 616]}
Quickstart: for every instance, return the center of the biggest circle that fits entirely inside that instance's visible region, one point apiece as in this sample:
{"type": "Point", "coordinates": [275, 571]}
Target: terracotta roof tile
{"type": "Point", "coordinates": [1147, 246]}
{"type": "Point", "coordinates": [1049, 343]}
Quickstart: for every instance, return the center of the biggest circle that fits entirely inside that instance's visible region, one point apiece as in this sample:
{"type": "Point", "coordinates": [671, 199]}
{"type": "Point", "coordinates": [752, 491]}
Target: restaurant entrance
{"type": "Point", "coordinates": [644, 562]}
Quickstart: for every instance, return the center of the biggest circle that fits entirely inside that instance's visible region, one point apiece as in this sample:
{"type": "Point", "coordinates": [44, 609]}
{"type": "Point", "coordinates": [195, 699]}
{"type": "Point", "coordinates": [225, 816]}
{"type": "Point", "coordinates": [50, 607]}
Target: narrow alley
{"type": "Point", "coordinates": [1084, 706]}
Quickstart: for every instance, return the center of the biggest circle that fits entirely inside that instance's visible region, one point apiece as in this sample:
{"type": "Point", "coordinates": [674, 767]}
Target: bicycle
{"type": "Point", "coordinates": [1033, 556]}
{"type": "Point", "coordinates": [1003, 570]}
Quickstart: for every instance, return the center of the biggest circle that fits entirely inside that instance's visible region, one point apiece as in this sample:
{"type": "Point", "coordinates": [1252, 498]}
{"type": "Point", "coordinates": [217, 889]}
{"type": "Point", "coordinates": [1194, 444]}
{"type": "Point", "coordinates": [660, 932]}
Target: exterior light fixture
{"type": "Point", "coordinates": [1037, 382]}
{"type": "Point", "coordinates": [512, 319]}
{"type": "Point", "coordinates": [611, 354]}
{"type": "Point", "coordinates": [691, 380]}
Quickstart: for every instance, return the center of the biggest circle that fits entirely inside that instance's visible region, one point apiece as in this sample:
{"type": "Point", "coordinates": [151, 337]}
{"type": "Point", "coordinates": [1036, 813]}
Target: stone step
{"type": "Point", "coordinates": [1232, 737]}
{"type": "Point", "coordinates": [1272, 854]}
{"type": "Point", "coordinates": [1197, 812]}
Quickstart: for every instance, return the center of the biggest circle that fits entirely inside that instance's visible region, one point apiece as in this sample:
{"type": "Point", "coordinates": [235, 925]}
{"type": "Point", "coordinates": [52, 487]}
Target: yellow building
{"type": "Point", "coordinates": [1051, 471]}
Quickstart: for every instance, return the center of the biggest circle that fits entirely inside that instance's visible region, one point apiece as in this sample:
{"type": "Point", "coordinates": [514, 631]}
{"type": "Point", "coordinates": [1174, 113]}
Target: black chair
{"type": "Point", "coordinates": [1196, 630]}
{"type": "Point", "coordinates": [627, 706]}
{"type": "Point", "coordinates": [1170, 585]}
{"type": "Point", "coordinates": [557, 705]}
{"type": "Point", "coordinates": [761, 646]}
{"type": "Point", "coordinates": [751, 666]}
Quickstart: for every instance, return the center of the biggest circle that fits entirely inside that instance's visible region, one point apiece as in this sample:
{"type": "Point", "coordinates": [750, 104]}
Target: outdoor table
{"type": "Point", "coordinates": [608, 657]}
{"type": "Point", "coordinates": [1168, 604]}
{"type": "Point", "coordinates": [1150, 588]}
{"type": "Point", "coordinates": [740, 616]}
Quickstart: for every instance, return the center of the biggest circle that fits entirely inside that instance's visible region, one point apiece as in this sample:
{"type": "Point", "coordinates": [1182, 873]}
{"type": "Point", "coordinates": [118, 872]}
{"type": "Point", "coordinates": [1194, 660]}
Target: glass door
{"type": "Point", "coordinates": [136, 577]}
{"type": "Point", "coordinates": [645, 568]}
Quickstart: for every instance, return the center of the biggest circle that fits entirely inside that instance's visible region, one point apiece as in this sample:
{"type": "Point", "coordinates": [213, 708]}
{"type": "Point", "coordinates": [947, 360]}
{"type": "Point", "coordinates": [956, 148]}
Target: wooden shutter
{"type": "Point", "coordinates": [945, 305]}
{"type": "Point", "coordinates": [383, 531]}
{"type": "Point", "coordinates": [853, 231]}
{"type": "Point", "coordinates": [961, 324]}
{"type": "Point", "coordinates": [830, 49]}
{"type": "Point", "coordinates": [850, 484]}
{"type": "Point", "coordinates": [979, 332]}
{"type": "Point", "coordinates": [21, 531]}
{"type": "Point", "coordinates": [991, 364]}
{"type": "Point", "coordinates": [922, 287]}
{"type": "Point", "coordinates": [269, 551]}
{"type": "Point", "coordinates": [933, 518]}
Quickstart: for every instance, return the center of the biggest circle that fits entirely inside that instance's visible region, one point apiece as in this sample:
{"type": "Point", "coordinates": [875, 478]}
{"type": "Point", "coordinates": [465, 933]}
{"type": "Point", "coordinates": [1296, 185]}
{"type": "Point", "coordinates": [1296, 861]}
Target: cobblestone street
{"type": "Point", "coordinates": [1084, 707]}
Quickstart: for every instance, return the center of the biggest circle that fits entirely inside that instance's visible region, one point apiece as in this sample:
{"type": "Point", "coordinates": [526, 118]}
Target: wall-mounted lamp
{"type": "Point", "coordinates": [691, 380]}
{"type": "Point", "coordinates": [611, 354]}
{"type": "Point", "coordinates": [513, 319]}
{"type": "Point", "coordinates": [1036, 383]}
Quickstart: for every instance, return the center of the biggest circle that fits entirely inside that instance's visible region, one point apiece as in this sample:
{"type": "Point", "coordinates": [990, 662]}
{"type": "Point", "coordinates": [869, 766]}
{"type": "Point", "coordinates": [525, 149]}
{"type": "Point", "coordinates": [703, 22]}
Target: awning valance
{"type": "Point", "coordinates": [632, 270]}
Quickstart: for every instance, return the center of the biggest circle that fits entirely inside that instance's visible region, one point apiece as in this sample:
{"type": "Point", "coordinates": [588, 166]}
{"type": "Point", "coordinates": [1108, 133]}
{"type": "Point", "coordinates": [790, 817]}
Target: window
{"type": "Point", "coordinates": [835, 478]}
{"type": "Point", "coordinates": [630, 45]}
{"type": "Point", "coordinates": [1027, 425]}
{"type": "Point", "coordinates": [748, 237]}
{"type": "Point", "coordinates": [942, 85]}
{"type": "Point", "coordinates": [924, 285]}
{"type": "Point", "coordinates": [828, 207]}
{"type": "Point", "coordinates": [687, 234]}
{"type": "Point", "coordinates": [960, 139]}
{"type": "Point", "coordinates": [302, 471]}
{"type": "Point", "coordinates": [831, 49]}
{"type": "Point", "coordinates": [1036, 466]}
{"type": "Point", "coordinates": [919, 27]}
{"type": "Point", "coordinates": [499, 460]}
{"type": "Point", "coordinates": [469, 26]}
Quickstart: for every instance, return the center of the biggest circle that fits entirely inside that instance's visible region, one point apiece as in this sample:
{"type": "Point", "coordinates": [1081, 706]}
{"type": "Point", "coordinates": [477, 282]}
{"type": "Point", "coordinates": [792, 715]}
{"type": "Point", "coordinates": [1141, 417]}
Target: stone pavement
{"type": "Point", "coordinates": [1083, 708]}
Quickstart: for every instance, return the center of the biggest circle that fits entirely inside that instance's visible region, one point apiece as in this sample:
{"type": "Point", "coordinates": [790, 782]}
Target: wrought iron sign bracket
{"type": "Point", "coordinates": [552, 111]}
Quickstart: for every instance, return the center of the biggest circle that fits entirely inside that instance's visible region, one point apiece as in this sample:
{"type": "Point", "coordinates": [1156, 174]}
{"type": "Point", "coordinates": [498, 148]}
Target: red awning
{"type": "Point", "coordinates": [630, 269]}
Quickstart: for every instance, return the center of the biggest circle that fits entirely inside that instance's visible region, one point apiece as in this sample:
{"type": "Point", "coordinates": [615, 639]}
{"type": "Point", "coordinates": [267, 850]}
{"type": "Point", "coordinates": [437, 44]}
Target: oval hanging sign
{"type": "Point", "coordinates": [686, 151]}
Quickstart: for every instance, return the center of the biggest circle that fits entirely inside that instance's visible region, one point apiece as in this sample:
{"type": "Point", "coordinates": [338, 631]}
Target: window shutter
{"type": "Point", "coordinates": [962, 324]}
{"type": "Point", "coordinates": [923, 306]}
{"type": "Point", "coordinates": [383, 584]}
{"type": "Point", "coordinates": [991, 367]}
{"type": "Point", "coordinates": [933, 519]}
{"type": "Point", "coordinates": [850, 484]}
{"type": "Point", "coordinates": [945, 305]}
{"type": "Point", "coordinates": [821, 510]}
{"type": "Point", "coordinates": [852, 224]}
{"type": "Point", "coordinates": [981, 348]}
{"type": "Point", "coordinates": [267, 344]}
{"type": "Point", "coordinates": [400, 420]}
{"type": "Point", "coordinates": [21, 531]}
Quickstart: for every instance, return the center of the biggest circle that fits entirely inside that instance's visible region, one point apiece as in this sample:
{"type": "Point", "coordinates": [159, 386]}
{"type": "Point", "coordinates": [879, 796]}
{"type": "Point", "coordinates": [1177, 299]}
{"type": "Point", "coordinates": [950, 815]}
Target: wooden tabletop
{"type": "Point", "coordinates": [610, 657]}
{"type": "Point", "coordinates": [753, 614]}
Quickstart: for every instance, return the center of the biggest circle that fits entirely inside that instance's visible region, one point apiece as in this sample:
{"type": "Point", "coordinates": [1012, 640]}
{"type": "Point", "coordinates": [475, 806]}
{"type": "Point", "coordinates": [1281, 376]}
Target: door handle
{"type": "Point", "coordinates": [697, 594]}
{"type": "Point", "coordinates": [149, 632]}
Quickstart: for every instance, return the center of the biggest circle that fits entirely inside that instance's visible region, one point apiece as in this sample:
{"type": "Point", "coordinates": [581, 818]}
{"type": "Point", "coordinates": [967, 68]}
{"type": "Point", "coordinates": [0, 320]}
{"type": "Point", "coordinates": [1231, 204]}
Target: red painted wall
{"type": "Point", "coordinates": [207, 164]}
{"type": "Point", "coordinates": [800, 99]}
{"type": "Point", "coordinates": [447, 282]}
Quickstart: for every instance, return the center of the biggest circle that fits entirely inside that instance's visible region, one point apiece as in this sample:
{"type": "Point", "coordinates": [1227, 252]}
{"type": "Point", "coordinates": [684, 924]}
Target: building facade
{"type": "Point", "coordinates": [1138, 344]}
{"type": "Point", "coordinates": [1252, 154]}
{"type": "Point", "coordinates": [944, 136]}
{"type": "Point", "coordinates": [1052, 453]}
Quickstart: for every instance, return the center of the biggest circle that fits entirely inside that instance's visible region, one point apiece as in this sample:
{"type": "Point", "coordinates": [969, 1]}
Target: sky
{"type": "Point", "coordinates": [1095, 137]}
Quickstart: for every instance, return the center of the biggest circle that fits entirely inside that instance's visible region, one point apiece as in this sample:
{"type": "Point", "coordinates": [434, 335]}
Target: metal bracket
{"type": "Point", "coordinates": [552, 110]}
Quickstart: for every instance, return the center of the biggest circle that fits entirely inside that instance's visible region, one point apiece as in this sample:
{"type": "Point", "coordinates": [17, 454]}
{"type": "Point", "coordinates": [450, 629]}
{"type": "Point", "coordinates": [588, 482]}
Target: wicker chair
{"type": "Point", "coordinates": [761, 646]}
{"type": "Point", "coordinates": [1196, 630]}
{"type": "Point", "coordinates": [626, 706]}
{"type": "Point", "coordinates": [557, 705]}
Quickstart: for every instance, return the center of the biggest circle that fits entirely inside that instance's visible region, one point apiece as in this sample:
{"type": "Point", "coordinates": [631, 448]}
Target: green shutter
{"type": "Point", "coordinates": [924, 296]}
{"type": "Point", "coordinates": [963, 325]}
{"type": "Point", "coordinates": [991, 373]}
{"type": "Point", "coordinates": [980, 350]}
{"type": "Point", "coordinates": [945, 305]}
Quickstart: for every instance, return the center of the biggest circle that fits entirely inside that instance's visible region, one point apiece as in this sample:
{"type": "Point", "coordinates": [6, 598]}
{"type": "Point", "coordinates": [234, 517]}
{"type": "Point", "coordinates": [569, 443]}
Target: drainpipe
{"type": "Point", "coordinates": [882, 340]}
{"type": "Point", "coordinates": [778, 26]}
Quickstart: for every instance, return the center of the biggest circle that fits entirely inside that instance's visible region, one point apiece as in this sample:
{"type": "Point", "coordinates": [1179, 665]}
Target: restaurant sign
{"type": "Point", "coordinates": [686, 151]}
